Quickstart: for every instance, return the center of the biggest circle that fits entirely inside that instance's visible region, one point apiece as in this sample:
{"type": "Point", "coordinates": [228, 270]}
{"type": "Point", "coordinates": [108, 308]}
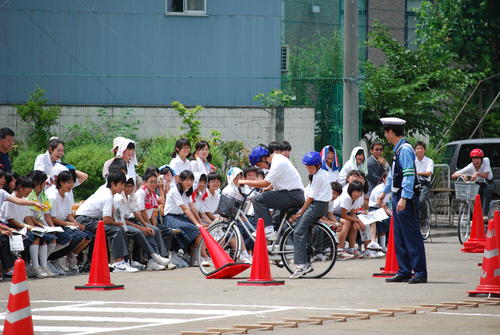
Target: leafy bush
{"type": "Point", "coordinates": [88, 158]}
{"type": "Point", "coordinates": [190, 124]}
{"type": "Point", "coordinates": [39, 118]}
{"type": "Point", "coordinates": [23, 160]}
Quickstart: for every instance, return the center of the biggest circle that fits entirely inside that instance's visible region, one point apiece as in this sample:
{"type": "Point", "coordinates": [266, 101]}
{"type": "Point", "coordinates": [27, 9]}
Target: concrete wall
{"type": "Point", "coordinates": [251, 125]}
{"type": "Point", "coordinates": [128, 52]}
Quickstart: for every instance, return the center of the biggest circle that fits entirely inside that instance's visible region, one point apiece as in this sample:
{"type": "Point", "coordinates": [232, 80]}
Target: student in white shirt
{"type": "Point", "coordinates": [330, 163]}
{"type": "Point", "coordinates": [180, 213]}
{"type": "Point", "coordinates": [315, 207]}
{"type": "Point", "coordinates": [18, 217]}
{"type": "Point", "coordinates": [357, 161]}
{"type": "Point", "coordinates": [200, 190]}
{"type": "Point", "coordinates": [145, 236]}
{"type": "Point", "coordinates": [479, 170]}
{"type": "Point", "coordinates": [346, 207]}
{"type": "Point", "coordinates": [211, 198]}
{"type": "Point", "coordinates": [100, 207]}
{"type": "Point", "coordinates": [45, 162]}
{"type": "Point", "coordinates": [123, 148]}
{"type": "Point", "coordinates": [180, 161]}
{"type": "Point", "coordinates": [61, 201]}
{"type": "Point", "coordinates": [382, 227]}
{"type": "Point", "coordinates": [288, 191]}
{"type": "Point", "coordinates": [202, 158]}
{"type": "Point", "coordinates": [424, 167]}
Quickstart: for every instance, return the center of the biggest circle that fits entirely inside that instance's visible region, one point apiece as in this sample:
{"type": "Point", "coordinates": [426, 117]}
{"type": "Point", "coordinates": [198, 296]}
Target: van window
{"type": "Point", "coordinates": [448, 154]}
{"type": "Point", "coordinates": [491, 150]}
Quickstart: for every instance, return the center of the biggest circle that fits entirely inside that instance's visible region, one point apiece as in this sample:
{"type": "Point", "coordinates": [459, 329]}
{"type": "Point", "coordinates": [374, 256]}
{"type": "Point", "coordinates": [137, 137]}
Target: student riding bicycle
{"type": "Point", "coordinates": [479, 170]}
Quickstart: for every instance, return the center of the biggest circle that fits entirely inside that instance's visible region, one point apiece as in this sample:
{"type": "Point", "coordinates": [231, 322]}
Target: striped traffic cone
{"type": "Point", "coordinates": [489, 282]}
{"type": "Point", "coordinates": [18, 317]}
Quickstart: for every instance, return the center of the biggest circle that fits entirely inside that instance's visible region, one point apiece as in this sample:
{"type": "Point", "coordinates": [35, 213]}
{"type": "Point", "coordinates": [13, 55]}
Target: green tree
{"type": "Point", "coordinates": [190, 124]}
{"type": "Point", "coordinates": [39, 118]}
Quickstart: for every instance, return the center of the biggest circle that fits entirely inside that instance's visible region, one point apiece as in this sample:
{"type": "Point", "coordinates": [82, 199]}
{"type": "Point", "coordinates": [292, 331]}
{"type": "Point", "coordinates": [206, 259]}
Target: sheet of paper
{"type": "Point", "coordinates": [16, 243]}
{"type": "Point", "coordinates": [373, 216]}
{"type": "Point", "coordinates": [49, 229]}
{"type": "Point", "coordinates": [20, 232]}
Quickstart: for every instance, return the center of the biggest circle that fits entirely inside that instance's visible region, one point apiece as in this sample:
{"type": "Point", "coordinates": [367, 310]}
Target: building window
{"type": "Point", "coordinates": [411, 22]}
{"type": "Point", "coordinates": [284, 58]}
{"type": "Point", "coordinates": [186, 7]}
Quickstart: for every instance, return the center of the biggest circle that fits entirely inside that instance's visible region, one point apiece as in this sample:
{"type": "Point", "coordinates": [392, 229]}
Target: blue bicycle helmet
{"type": "Point", "coordinates": [256, 154]}
{"type": "Point", "coordinates": [312, 158]}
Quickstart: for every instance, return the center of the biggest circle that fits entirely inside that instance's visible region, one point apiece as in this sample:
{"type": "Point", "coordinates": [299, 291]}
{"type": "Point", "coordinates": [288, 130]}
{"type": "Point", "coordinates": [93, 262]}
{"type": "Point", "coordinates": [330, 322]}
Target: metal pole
{"type": "Point", "coordinates": [351, 103]}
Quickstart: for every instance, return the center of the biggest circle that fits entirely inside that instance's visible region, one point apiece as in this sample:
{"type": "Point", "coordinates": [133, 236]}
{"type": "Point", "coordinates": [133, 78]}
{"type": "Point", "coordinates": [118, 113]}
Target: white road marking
{"type": "Point", "coordinates": [467, 314]}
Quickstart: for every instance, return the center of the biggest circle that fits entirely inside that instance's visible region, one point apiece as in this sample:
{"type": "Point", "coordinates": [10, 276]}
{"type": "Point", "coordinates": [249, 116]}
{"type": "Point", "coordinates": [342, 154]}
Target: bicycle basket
{"type": "Point", "coordinates": [228, 206]}
{"type": "Point", "coordinates": [466, 191]}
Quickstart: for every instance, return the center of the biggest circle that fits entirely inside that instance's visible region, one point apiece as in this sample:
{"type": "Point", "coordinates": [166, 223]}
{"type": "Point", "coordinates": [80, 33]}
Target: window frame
{"type": "Point", "coordinates": [187, 12]}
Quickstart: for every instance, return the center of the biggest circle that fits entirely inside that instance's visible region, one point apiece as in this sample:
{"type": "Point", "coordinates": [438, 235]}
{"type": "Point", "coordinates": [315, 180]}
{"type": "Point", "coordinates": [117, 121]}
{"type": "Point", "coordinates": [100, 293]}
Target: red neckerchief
{"type": "Point", "coordinates": [150, 201]}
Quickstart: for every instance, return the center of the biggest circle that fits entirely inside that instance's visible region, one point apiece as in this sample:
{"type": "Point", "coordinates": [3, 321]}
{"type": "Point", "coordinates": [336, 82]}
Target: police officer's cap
{"type": "Point", "coordinates": [392, 121]}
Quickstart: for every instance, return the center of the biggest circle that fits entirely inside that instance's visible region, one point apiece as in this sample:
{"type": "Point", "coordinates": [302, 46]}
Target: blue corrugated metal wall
{"type": "Point", "coordinates": [129, 52]}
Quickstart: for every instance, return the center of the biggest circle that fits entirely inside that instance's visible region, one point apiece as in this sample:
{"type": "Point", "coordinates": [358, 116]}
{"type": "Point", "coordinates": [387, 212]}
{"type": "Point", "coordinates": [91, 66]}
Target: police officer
{"type": "Point", "coordinates": [410, 250]}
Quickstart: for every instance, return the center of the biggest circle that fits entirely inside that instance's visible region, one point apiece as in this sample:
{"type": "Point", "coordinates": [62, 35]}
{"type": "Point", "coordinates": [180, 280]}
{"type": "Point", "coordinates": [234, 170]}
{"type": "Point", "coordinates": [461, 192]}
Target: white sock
{"type": "Point", "coordinates": [382, 240]}
{"type": "Point", "coordinates": [50, 248]}
{"type": "Point", "coordinates": [34, 255]}
{"type": "Point", "coordinates": [42, 255]}
{"type": "Point", "coordinates": [72, 255]}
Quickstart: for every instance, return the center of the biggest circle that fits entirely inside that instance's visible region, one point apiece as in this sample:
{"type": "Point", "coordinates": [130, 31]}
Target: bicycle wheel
{"type": "Point", "coordinates": [463, 222]}
{"type": "Point", "coordinates": [229, 238]}
{"type": "Point", "coordinates": [425, 219]}
{"type": "Point", "coordinates": [321, 250]}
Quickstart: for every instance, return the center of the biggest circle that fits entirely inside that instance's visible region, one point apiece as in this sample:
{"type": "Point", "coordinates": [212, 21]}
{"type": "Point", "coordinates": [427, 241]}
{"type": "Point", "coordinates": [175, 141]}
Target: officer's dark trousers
{"type": "Point", "coordinates": [410, 250]}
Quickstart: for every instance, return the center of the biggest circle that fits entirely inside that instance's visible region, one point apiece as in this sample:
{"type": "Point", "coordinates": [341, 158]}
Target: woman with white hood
{"type": "Point", "coordinates": [330, 163]}
{"type": "Point", "coordinates": [123, 148]}
{"type": "Point", "coordinates": [357, 161]}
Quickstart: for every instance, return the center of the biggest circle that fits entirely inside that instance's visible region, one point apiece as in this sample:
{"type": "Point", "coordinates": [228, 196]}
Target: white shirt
{"type": "Point", "coordinates": [3, 196]}
{"type": "Point", "coordinates": [179, 165]}
{"type": "Point", "coordinates": [211, 202]}
{"type": "Point", "coordinates": [320, 189]}
{"type": "Point", "coordinates": [60, 206]}
{"type": "Point", "coordinates": [375, 193]}
{"type": "Point", "coordinates": [283, 175]}
{"type": "Point", "coordinates": [484, 168]}
{"type": "Point", "coordinates": [12, 211]}
{"type": "Point", "coordinates": [174, 200]}
{"type": "Point", "coordinates": [198, 203]}
{"type": "Point", "coordinates": [232, 191]}
{"type": "Point", "coordinates": [425, 165]}
{"type": "Point", "coordinates": [345, 170]}
{"type": "Point", "coordinates": [140, 196]}
{"type": "Point", "coordinates": [198, 165]}
{"type": "Point", "coordinates": [99, 205]}
{"type": "Point", "coordinates": [44, 163]}
{"type": "Point", "coordinates": [128, 204]}
{"type": "Point", "coordinates": [344, 201]}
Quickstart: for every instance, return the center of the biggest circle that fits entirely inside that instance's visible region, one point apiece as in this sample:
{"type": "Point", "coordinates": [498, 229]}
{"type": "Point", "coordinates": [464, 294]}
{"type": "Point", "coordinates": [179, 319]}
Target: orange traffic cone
{"type": "Point", "coordinates": [476, 240]}
{"type": "Point", "coordinates": [260, 274]}
{"type": "Point", "coordinates": [225, 267]}
{"type": "Point", "coordinates": [99, 279]}
{"type": "Point", "coordinates": [391, 262]}
{"type": "Point", "coordinates": [489, 283]}
{"type": "Point", "coordinates": [18, 317]}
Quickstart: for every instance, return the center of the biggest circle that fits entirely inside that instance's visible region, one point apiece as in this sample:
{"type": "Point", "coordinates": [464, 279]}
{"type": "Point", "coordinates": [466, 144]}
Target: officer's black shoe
{"type": "Point", "coordinates": [398, 279]}
{"type": "Point", "coordinates": [418, 280]}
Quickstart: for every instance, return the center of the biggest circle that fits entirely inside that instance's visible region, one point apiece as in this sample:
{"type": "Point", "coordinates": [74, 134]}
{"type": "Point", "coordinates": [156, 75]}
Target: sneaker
{"type": "Point", "coordinates": [62, 263]}
{"type": "Point", "coordinates": [374, 246]}
{"type": "Point", "coordinates": [49, 273]}
{"type": "Point", "coordinates": [55, 269]}
{"type": "Point", "coordinates": [73, 263]}
{"type": "Point", "coordinates": [205, 261]}
{"type": "Point", "coordinates": [160, 260]}
{"type": "Point", "coordinates": [194, 262]}
{"type": "Point", "coordinates": [379, 254]}
{"type": "Point", "coordinates": [137, 265]}
{"type": "Point", "coordinates": [38, 272]}
{"type": "Point", "coordinates": [343, 256]}
{"type": "Point", "coordinates": [171, 266]}
{"type": "Point", "coordinates": [301, 271]}
{"type": "Point", "coordinates": [355, 252]}
{"type": "Point", "coordinates": [153, 266]}
{"type": "Point", "coordinates": [245, 259]}
{"type": "Point", "coordinates": [270, 234]}
{"type": "Point", "coordinates": [123, 267]}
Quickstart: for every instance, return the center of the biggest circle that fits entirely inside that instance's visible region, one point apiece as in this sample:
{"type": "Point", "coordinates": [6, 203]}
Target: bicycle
{"type": "Point", "coordinates": [321, 243]}
{"type": "Point", "coordinates": [425, 218]}
{"type": "Point", "coordinates": [465, 191]}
